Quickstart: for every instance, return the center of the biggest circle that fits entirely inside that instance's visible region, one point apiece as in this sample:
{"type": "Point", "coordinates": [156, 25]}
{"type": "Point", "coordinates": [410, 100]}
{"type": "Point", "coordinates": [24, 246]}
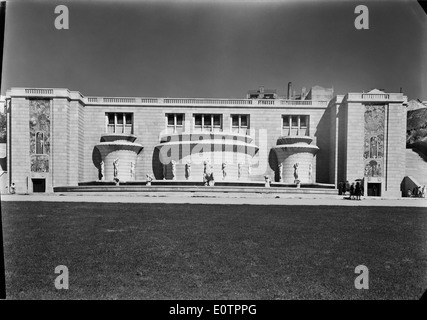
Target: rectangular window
{"type": "Point", "coordinates": [175, 122]}
{"type": "Point", "coordinates": [240, 123]}
{"type": "Point", "coordinates": [119, 122]}
{"type": "Point", "coordinates": [198, 120]}
{"type": "Point", "coordinates": [295, 125]}
{"type": "Point", "coordinates": [208, 122]}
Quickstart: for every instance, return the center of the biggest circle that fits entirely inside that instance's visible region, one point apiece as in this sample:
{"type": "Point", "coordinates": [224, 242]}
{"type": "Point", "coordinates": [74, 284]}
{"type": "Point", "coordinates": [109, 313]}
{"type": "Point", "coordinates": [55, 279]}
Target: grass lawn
{"type": "Point", "coordinates": [173, 251]}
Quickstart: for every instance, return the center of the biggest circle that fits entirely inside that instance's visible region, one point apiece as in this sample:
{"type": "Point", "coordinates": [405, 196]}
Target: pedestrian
{"type": "Point", "coordinates": [347, 187]}
{"type": "Point", "coordinates": [12, 188]}
{"type": "Point", "coordinates": [340, 187]}
{"type": "Point", "coordinates": [409, 193]}
{"type": "Point", "coordinates": [352, 191]}
{"type": "Point", "coordinates": [358, 191]}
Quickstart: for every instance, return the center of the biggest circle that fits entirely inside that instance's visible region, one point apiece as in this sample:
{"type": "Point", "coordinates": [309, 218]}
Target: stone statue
{"type": "Point", "coordinates": [267, 181]}
{"type": "Point", "coordinates": [164, 171]}
{"type": "Point", "coordinates": [148, 180]}
{"type": "Point", "coordinates": [249, 169]}
{"type": "Point", "coordinates": [224, 170]}
{"type": "Point", "coordinates": [310, 173]}
{"type": "Point", "coordinates": [116, 169]}
{"type": "Point", "coordinates": [205, 172]}
{"type": "Point", "coordinates": [239, 170]}
{"type": "Point", "coordinates": [132, 171]}
{"type": "Point", "coordinates": [281, 172]}
{"type": "Point", "coordinates": [173, 162]}
{"type": "Point", "coordinates": [101, 171]}
{"type": "Point", "coordinates": [296, 171]}
{"type": "Point", "coordinates": [187, 169]}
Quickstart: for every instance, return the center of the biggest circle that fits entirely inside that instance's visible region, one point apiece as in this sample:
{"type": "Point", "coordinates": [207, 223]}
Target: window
{"type": "Point", "coordinates": [175, 122]}
{"type": "Point", "coordinates": [295, 125]}
{"type": "Point", "coordinates": [240, 123]}
{"type": "Point", "coordinates": [119, 122]}
{"type": "Point", "coordinates": [208, 122]}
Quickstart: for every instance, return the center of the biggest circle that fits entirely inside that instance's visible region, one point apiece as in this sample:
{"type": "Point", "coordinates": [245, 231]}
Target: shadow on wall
{"type": "Point", "coordinates": [420, 147]}
{"type": "Point", "coordinates": [408, 183]}
{"type": "Point", "coordinates": [96, 159]}
{"type": "Point", "coordinates": [156, 165]}
{"type": "Point", "coordinates": [272, 162]}
{"type": "Point", "coordinates": [322, 141]}
{"type": "Point", "coordinates": [3, 164]}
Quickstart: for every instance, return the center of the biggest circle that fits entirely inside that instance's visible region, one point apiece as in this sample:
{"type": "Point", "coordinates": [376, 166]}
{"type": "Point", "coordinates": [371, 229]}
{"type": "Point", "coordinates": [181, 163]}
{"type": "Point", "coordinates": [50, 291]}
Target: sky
{"type": "Point", "coordinates": [217, 49]}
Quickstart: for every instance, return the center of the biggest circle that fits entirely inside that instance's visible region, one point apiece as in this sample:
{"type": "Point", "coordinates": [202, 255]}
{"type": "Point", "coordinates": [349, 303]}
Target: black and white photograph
{"type": "Point", "coordinates": [224, 152]}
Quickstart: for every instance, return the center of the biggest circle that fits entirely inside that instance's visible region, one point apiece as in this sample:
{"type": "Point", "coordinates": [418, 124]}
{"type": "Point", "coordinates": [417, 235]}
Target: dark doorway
{"type": "Point", "coordinates": [39, 185]}
{"type": "Point", "coordinates": [374, 189]}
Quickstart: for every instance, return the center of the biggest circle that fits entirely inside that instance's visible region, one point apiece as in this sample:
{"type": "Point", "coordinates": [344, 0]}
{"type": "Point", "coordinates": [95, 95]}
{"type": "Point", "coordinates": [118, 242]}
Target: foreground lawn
{"type": "Point", "coordinates": [164, 251]}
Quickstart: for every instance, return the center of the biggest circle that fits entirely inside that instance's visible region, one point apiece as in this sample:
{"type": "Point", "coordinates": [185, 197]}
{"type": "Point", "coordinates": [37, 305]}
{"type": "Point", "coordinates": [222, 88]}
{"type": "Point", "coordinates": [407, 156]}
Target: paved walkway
{"type": "Point", "coordinates": [226, 198]}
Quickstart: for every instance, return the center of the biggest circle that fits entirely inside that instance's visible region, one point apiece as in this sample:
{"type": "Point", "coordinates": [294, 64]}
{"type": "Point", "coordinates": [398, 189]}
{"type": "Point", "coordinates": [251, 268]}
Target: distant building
{"type": "Point", "coordinates": [59, 137]}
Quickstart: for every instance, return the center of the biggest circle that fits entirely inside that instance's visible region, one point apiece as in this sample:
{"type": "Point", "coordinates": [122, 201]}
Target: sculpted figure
{"type": "Point", "coordinates": [148, 179]}
{"type": "Point", "coordinates": [132, 170]}
{"type": "Point", "coordinates": [224, 170]}
{"type": "Point", "coordinates": [173, 162]}
{"type": "Point", "coordinates": [116, 169]}
{"type": "Point", "coordinates": [310, 173]}
{"type": "Point", "coordinates": [267, 181]}
{"type": "Point", "coordinates": [239, 170]}
{"type": "Point", "coordinates": [281, 172]}
{"type": "Point", "coordinates": [187, 169]}
{"type": "Point", "coordinates": [296, 171]}
{"type": "Point", "coordinates": [101, 171]}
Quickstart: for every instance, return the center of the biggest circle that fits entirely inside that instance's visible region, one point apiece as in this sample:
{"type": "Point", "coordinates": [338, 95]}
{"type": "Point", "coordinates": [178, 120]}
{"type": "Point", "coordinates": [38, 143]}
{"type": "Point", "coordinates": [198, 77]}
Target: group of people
{"type": "Point", "coordinates": [354, 190]}
{"type": "Point", "coordinates": [417, 192]}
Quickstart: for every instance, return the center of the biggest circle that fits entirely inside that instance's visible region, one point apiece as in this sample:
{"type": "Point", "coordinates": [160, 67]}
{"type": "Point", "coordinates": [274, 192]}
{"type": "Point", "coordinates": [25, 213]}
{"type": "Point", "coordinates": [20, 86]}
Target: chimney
{"type": "Point", "coordinates": [289, 90]}
{"type": "Point", "coordinates": [303, 93]}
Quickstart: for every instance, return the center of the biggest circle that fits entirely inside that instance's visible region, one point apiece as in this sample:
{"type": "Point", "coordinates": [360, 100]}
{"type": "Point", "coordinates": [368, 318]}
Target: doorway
{"type": "Point", "coordinates": [374, 189]}
{"type": "Point", "coordinates": [39, 185]}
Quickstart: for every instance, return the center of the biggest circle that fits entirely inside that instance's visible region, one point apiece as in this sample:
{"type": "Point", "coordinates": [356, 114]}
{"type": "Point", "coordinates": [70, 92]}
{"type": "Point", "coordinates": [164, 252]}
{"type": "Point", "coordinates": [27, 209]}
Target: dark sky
{"type": "Point", "coordinates": [219, 49]}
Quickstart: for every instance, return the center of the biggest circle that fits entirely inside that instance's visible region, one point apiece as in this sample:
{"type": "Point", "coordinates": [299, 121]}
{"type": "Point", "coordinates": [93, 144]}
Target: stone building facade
{"type": "Point", "coordinates": [58, 137]}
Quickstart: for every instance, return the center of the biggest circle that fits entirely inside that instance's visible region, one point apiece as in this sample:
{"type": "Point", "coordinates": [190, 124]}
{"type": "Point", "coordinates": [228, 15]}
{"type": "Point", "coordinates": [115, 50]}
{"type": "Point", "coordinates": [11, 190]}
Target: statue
{"type": "Point", "coordinates": [239, 170]}
{"type": "Point", "coordinates": [281, 172]}
{"type": "Point", "coordinates": [116, 169]}
{"type": "Point", "coordinates": [132, 171]}
{"type": "Point", "coordinates": [187, 169]}
{"type": "Point", "coordinates": [101, 171]}
{"type": "Point", "coordinates": [205, 172]}
{"type": "Point", "coordinates": [296, 171]}
{"type": "Point", "coordinates": [267, 181]}
{"type": "Point", "coordinates": [173, 162]}
{"type": "Point", "coordinates": [249, 170]}
{"type": "Point", "coordinates": [310, 173]}
{"type": "Point", "coordinates": [148, 180]}
{"type": "Point", "coordinates": [224, 172]}
{"type": "Point", "coordinates": [164, 171]}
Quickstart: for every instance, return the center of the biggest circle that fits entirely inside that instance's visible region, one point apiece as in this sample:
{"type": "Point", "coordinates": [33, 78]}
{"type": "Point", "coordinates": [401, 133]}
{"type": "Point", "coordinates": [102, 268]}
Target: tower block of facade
{"type": "Point", "coordinates": [370, 130]}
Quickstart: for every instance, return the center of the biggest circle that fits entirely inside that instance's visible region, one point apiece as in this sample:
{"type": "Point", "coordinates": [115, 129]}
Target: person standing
{"type": "Point", "coordinates": [358, 190]}
{"type": "Point", "coordinates": [352, 191]}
